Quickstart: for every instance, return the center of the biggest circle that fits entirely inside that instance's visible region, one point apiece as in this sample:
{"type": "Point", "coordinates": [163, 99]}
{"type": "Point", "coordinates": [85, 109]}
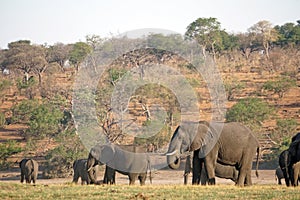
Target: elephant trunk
{"type": "Point", "coordinates": [173, 160]}
{"type": "Point", "coordinates": [89, 167]}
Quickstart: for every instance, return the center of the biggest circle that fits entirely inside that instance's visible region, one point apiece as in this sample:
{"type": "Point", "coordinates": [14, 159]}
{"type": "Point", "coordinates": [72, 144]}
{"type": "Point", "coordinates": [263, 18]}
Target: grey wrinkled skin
{"type": "Point", "coordinates": [236, 146]}
{"type": "Point", "coordinates": [135, 165]}
{"type": "Point", "coordinates": [29, 170]}
{"type": "Point", "coordinates": [296, 173]}
{"type": "Point", "coordinates": [80, 171]}
{"type": "Point", "coordinates": [279, 175]}
{"type": "Point", "coordinates": [200, 176]}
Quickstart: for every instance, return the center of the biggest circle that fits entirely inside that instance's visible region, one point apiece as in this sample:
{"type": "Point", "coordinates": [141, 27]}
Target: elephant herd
{"type": "Point", "coordinates": [289, 162]}
{"type": "Point", "coordinates": [218, 149]}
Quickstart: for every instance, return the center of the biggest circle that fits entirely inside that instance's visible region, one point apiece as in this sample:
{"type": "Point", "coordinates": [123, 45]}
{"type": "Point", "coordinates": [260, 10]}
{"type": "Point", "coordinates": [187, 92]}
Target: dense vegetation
{"type": "Point", "coordinates": [46, 107]}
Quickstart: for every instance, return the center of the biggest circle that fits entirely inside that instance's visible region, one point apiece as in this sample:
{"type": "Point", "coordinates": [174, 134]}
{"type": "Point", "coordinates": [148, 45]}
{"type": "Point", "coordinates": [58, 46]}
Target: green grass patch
{"type": "Point", "coordinates": [71, 191]}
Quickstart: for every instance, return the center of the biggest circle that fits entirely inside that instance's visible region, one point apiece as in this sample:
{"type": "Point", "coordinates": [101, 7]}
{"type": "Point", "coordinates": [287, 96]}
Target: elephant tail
{"type": "Point", "coordinates": [257, 161]}
{"type": "Point", "coordinates": [149, 168]}
{"type": "Point", "coordinates": [32, 163]}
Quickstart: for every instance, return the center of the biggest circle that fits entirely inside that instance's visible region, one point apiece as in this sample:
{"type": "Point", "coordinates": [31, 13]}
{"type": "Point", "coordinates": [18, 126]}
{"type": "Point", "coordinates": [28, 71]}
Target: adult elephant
{"type": "Point", "coordinates": [200, 176]}
{"type": "Point", "coordinates": [79, 167]}
{"type": "Point", "coordinates": [135, 165]}
{"type": "Point", "coordinates": [294, 153]}
{"type": "Point", "coordinates": [235, 146]}
{"type": "Point", "coordinates": [284, 162]}
{"type": "Point", "coordinates": [29, 170]}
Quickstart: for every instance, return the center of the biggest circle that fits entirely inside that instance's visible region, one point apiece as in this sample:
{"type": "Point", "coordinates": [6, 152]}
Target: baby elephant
{"type": "Point", "coordinates": [79, 167]}
{"type": "Point", "coordinates": [279, 175]}
{"type": "Point", "coordinates": [29, 170]}
{"type": "Point", "coordinates": [296, 172]}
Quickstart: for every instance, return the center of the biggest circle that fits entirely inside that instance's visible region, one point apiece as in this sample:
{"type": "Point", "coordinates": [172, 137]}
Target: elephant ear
{"type": "Point", "coordinates": [107, 153]}
{"type": "Point", "coordinates": [198, 140]}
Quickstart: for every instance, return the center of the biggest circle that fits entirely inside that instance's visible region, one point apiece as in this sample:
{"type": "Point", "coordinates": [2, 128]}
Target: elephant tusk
{"type": "Point", "coordinates": [172, 153]}
{"type": "Point", "coordinates": [89, 169]}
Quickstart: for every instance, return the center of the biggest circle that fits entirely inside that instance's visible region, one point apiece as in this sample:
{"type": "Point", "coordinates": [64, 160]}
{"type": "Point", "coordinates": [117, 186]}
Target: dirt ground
{"type": "Point", "coordinates": [159, 177]}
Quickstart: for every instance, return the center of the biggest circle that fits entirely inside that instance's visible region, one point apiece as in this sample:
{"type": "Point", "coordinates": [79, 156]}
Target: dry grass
{"type": "Point", "coordinates": [70, 191]}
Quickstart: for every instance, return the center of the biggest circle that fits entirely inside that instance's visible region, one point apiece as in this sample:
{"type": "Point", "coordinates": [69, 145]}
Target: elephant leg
{"type": "Point", "coordinates": [22, 177]}
{"type": "Point", "coordinates": [109, 176]}
{"type": "Point", "coordinates": [210, 165]}
{"type": "Point", "coordinates": [279, 181]}
{"type": "Point", "coordinates": [142, 178]}
{"type": "Point", "coordinates": [197, 167]}
{"type": "Point", "coordinates": [28, 179]}
{"type": "Point", "coordinates": [75, 177]}
{"type": "Point", "coordinates": [132, 177]}
{"type": "Point", "coordinates": [203, 177]}
{"type": "Point", "coordinates": [248, 180]}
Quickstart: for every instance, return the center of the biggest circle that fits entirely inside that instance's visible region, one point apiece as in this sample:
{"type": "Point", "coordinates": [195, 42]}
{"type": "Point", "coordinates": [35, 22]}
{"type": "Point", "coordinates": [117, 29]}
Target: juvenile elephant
{"type": "Point", "coordinates": [79, 167]}
{"type": "Point", "coordinates": [296, 173]}
{"type": "Point", "coordinates": [235, 146]}
{"type": "Point", "coordinates": [135, 165]}
{"type": "Point", "coordinates": [29, 170]}
{"type": "Point", "coordinates": [221, 171]}
{"type": "Point", "coordinates": [279, 175]}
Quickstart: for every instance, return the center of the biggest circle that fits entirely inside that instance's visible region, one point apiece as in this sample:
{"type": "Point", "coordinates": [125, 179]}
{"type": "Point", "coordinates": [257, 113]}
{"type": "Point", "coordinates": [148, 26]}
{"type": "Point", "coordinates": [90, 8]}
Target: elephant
{"type": "Point", "coordinates": [294, 153]}
{"type": "Point", "coordinates": [221, 171]}
{"type": "Point", "coordinates": [135, 165]}
{"type": "Point", "coordinates": [235, 146]}
{"type": "Point", "coordinates": [79, 167]}
{"type": "Point", "coordinates": [284, 162]}
{"type": "Point", "coordinates": [296, 173]}
{"type": "Point", "coordinates": [29, 170]}
{"type": "Point", "coordinates": [279, 175]}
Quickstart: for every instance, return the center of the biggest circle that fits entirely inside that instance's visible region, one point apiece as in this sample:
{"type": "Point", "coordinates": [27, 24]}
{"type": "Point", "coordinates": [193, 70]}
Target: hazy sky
{"type": "Point", "coordinates": [69, 21]}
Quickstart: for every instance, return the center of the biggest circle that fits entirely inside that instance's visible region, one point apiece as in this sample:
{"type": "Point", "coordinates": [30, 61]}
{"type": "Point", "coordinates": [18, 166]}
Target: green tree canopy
{"type": "Point", "coordinates": [23, 56]}
{"type": "Point", "coordinates": [207, 32]}
{"type": "Point", "coordinates": [78, 53]}
{"type": "Point", "coordinates": [289, 34]}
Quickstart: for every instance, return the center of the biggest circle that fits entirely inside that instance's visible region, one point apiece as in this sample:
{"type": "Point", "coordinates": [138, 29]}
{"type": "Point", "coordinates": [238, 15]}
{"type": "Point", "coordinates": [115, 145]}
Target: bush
{"type": "Point", "coordinates": [285, 130]}
{"type": "Point", "coordinates": [43, 119]}
{"type": "Point", "coordinates": [279, 86]}
{"type": "Point", "coordinates": [6, 150]}
{"type": "Point", "coordinates": [251, 111]}
{"type": "Point", "coordinates": [60, 159]}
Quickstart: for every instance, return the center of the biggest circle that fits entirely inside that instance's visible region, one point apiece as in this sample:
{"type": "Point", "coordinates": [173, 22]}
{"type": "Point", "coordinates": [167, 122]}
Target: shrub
{"type": "Point", "coordinates": [6, 150]}
{"type": "Point", "coordinates": [251, 111]}
{"type": "Point", "coordinates": [279, 86]}
{"type": "Point", "coordinates": [285, 130]}
{"type": "Point", "coordinates": [43, 119]}
{"type": "Point", "coordinates": [60, 159]}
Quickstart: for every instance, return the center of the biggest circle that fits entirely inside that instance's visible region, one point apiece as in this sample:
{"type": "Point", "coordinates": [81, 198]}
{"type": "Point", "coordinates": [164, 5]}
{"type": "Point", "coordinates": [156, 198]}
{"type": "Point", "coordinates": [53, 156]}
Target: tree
{"type": "Point", "coordinates": [289, 34]}
{"type": "Point", "coordinates": [94, 41]}
{"type": "Point", "coordinates": [206, 31]}
{"type": "Point", "coordinates": [78, 53]}
{"type": "Point", "coordinates": [28, 58]}
{"type": "Point", "coordinates": [265, 33]}
{"type": "Point", "coordinates": [247, 43]}
{"type": "Point", "coordinates": [58, 53]}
